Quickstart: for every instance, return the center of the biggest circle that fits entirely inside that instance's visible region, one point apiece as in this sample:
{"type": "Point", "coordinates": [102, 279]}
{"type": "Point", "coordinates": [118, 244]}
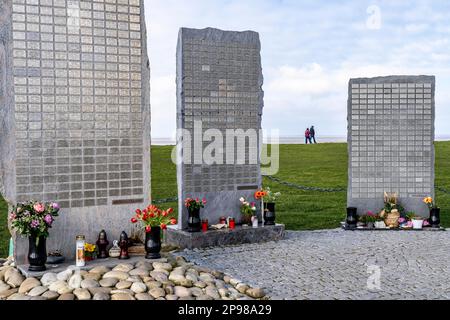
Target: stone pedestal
{"type": "Point", "coordinates": [224, 237]}
{"type": "Point", "coordinates": [75, 114]}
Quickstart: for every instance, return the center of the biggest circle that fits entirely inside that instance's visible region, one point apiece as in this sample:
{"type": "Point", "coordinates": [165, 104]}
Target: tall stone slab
{"type": "Point", "coordinates": [75, 113]}
{"type": "Point", "coordinates": [391, 141]}
{"type": "Point", "coordinates": [219, 86]}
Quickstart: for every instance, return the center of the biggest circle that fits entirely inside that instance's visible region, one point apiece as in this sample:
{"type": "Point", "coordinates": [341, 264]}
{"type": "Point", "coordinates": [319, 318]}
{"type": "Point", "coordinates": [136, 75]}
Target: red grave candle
{"type": "Point", "coordinates": [232, 224]}
{"type": "Point", "coordinates": [204, 225]}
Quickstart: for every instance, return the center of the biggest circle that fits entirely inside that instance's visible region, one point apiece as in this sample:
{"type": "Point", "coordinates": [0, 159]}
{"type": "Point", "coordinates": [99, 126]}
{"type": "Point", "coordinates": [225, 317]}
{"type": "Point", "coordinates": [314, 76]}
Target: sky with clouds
{"type": "Point", "coordinates": [310, 50]}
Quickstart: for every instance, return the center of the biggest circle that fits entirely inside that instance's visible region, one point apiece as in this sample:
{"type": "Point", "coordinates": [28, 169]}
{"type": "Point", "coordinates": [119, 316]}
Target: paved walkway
{"type": "Point", "coordinates": [337, 264]}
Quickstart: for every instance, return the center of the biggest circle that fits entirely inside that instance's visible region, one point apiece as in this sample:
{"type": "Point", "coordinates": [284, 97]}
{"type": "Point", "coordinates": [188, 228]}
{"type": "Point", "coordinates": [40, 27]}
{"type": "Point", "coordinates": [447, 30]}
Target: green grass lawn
{"type": "Point", "coordinates": [322, 165]}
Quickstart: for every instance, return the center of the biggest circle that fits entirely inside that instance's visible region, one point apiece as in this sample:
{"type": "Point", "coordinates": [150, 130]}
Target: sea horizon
{"type": "Point", "coordinates": [287, 140]}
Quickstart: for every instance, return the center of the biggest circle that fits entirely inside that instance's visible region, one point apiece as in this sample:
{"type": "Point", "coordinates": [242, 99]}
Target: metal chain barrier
{"type": "Point", "coordinates": [305, 188]}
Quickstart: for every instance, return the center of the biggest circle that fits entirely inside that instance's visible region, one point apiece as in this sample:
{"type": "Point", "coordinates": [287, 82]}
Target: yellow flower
{"type": "Point", "coordinates": [89, 247]}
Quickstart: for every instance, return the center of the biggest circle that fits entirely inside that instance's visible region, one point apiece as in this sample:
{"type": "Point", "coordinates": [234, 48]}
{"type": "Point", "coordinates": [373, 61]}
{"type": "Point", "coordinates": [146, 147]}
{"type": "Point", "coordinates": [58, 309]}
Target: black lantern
{"type": "Point", "coordinates": [194, 221]}
{"type": "Point", "coordinates": [435, 217]}
{"type": "Point", "coordinates": [123, 244]}
{"type": "Point", "coordinates": [102, 243]}
{"type": "Point", "coordinates": [352, 218]}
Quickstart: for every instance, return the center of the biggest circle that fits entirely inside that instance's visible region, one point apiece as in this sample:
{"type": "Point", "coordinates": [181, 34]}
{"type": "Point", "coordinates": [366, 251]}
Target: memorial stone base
{"type": "Point", "coordinates": [224, 237]}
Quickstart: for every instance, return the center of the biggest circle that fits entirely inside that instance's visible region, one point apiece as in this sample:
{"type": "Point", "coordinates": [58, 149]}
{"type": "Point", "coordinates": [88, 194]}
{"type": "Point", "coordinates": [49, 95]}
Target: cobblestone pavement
{"type": "Point", "coordinates": [338, 264]}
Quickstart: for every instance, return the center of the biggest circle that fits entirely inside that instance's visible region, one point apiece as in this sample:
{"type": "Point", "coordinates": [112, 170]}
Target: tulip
{"type": "Point", "coordinates": [163, 226]}
{"type": "Point", "coordinates": [134, 220]}
{"type": "Point", "coordinates": [165, 214]}
{"type": "Point", "coordinates": [173, 221]}
{"type": "Point", "coordinates": [138, 211]}
{"type": "Point", "coordinates": [148, 229]}
{"type": "Point", "coordinates": [170, 211]}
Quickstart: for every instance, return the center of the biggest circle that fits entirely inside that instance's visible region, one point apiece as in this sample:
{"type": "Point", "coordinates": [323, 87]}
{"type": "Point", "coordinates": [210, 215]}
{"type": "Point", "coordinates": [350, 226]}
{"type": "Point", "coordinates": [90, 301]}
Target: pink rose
{"type": "Point", "coordinates": [426, 223]}
{"type": "Point", "coordinates": [39, 207]}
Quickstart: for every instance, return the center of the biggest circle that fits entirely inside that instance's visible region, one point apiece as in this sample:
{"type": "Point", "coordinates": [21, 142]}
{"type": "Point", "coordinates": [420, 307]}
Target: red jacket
{"type": "Point", "coordinates": [307, 134]}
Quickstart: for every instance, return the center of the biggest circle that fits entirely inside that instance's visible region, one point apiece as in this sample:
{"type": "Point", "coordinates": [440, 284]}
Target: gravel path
{"type": "Point", "coordinates": [337, 264]}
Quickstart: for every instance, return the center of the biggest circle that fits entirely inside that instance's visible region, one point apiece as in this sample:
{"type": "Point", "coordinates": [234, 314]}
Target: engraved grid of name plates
{"type": "Point", "coordinates": [221, 89]}
{"type": "Point", "coordinates": [77, 76]}
{"type": "Point", "coordinates": [391, 139]}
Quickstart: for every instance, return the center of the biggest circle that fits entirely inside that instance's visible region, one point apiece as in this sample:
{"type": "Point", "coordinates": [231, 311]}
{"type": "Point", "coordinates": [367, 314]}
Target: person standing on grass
{"type": "Point", "coordinates": [307, 136]}
{"type": "Point", "coordinates": [312, 135]}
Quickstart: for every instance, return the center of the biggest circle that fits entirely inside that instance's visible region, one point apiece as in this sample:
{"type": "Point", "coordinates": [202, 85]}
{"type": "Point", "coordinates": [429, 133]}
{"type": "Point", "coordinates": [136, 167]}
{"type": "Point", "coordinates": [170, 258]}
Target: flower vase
{"type": "Point", "coordinates": [269, 214]}
{"type": "Point", "coordinates": [153, 243]}
{"type": "Point", "coordinates": [37, 253]}
{"type": "Point", "coordinates": [194, 221]}
{"type": "Point", "coordinates": [435, 217]}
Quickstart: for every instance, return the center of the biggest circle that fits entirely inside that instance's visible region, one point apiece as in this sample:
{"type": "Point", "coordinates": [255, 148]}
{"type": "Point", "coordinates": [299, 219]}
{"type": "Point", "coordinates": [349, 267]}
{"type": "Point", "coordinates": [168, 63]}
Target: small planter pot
{"type": "Point", "coordinates": [352, 218]}
{"type": "Point", "coordinates": [370, 225]}
{"type": "Point", "coordinates": [269, 214]}
{"type": "Point", "coordinates": [435, 217]}
{"type": "Point", "coordinates": [380, 225]}
{"type": "Point", "coordinates": [153, 243]}
{"type": "Point", "coordinates": [417, 224]}
{"type": "Point", "coordinates": [194, 221]}
{"type": "Point", "coordinates": [37, 253]}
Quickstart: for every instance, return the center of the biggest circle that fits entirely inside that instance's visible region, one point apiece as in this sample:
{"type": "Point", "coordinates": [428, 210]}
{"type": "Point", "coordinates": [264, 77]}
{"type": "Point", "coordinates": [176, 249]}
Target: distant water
{"type": "Point", "coordinates": [287, 140]}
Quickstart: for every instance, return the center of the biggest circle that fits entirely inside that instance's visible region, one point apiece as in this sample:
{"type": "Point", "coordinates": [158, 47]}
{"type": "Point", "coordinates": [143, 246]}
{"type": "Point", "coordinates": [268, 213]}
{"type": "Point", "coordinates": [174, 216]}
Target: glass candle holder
{"type": "Point", "coordinates": [232, 224]}
{"type": "Point", "coordinates": [204, 225]}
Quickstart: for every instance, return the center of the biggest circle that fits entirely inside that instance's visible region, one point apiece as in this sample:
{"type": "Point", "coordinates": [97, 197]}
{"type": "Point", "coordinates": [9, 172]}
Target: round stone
{"type": "Point", "coordinates": [226, 279]}
{"type": "Point", "coordinates": [124, 267]}
{"type": "Point", "coordinates": [192, 277]}
{"type": "Point", "coordinates": [144, 265]}
{"type": "Point", "coordinates": [180, 280]}
{"type": "Point", "coordinates": [65, 289]}
{"type": "Point", "coordinates": [138, 287]}
{"type": "Point", "coordinates": [141, 272]}
{"type": "Point", "coordinates": [169, 289]}
{"type": "Point", "coordinates": [256, 293]}
{"type": "Point", "coordinates": [182, 292]}
{"type": "Point", "coordinates": [143, 296]}
{"type": "Point", "coordinates": [123, 285]}
{"type": "Point", "coordinates": [55, 286]}
{"type": "Point", "coordinates": [242, 287]}
{"type": "Point", "coordinates": [196, 292]}
{"type": "Point", "coordinates": [67, 296]}
{"type": "Point", "coordinates": [159, 276]}
{"type": "Point", "coordinates": [200, 284]}
{"type": "Point", "coordinates": [127, 291]}
{"type": "Point", "coordinates": [4, 286]}
{"type": "Point", "coordinates": [37, 291]}
{"type": "Point", "coordinates": [89, 283]}
{"type": "Point", "coordinates": [64, 275]}
{"type": "Point", "coordinates": [92, 276]}
{"type": "Point", "coordinates": [108, 282]}
{"type": "Point", "coordinates": [101, 296]}
{"type": "Point", "coordinates": [134, 279]}
{"type": "Point", "coordinates": [122, 296]}
{"type": "Point", "coordinates": [6, 293]}
{"type": "Point", "coordinates": [19, 296]}
{"type": "Point", "coordinates": [213, 293]}
{"type": "Point", "coordinates": [38, 298]}
{"type": "Point", "coordinates": [48, 278]}
{"type": "Point", "coordinates": [100, 270]}
{"type": "Point", "coordinates": [153, 284]}
{"type": "Point", "coordinates": [82, 294]}
{"type": "Point", "coordinates": [50, 295]}
{"type": "Point", "coordinates": [105, 290]}
{"type": "Point", "coordinates": [162, 266]}
{"type": "Point", "coordinates": [224, 293]}
{"type": "Point", "coordinates": [234, 282]}
{"type": "Point", "coordinates": [14, 278]}
{"type": "Point", "coordinates": [75, 281]}
{"type": "Point", "coordinates": [206, 277]}
{"type": "Point", "coordinates": [157, 292]}
{"type": "Point", "coordinates": [29, 284]}
{"type": "Point", "coordinates": [171, 297]}
{"type": "Point", "coordinates": [116, 274]}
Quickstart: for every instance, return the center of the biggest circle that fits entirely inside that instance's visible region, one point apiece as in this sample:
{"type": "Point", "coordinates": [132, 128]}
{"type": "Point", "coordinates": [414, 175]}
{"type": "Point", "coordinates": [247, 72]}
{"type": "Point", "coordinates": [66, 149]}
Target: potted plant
{"type": "Point", "coordinates": [379, 222]}
{"type": "Point", "coordinates": [392, 210]}
{"type": "Point", "coordinates": [34, 219]}
{"type": "Point", "coordinates": [435, 212]}
{"type": "Point", "coordinates": [153, 220]}
{"type": "Point", "coordinates": [369, 220]}
{"type": "Point", "coordinates": [417, 222]}
{"type": "Point", "coordinates": [90, 251]}
{"type": "Point", "coordinates": [248, 211]}
{"type": "Point", "coordinates": [193, 207]}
